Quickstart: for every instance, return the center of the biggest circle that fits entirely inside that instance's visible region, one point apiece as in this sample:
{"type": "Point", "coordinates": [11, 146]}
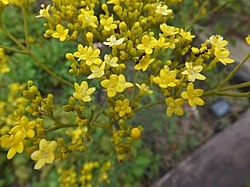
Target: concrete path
{"type": "Point", "coordinates": [224, 161]}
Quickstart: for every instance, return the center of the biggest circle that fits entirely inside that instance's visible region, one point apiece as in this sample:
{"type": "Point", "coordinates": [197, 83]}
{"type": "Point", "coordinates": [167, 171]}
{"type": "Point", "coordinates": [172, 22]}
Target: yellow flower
{"type": "Point", "coordinates": [144, 63]}
{"type": "Point", "coordinates": [17, 134]}
{"type": "Point", "coordinates": [14, 142]}
{"type": "Point", "coordinates": [135, 133]}
{"type": "Point", "coordinates": [174, 106]}
{"type": "Point", "coordinates": [161, 41]}
{"type": "Point", "coordinates": [168, 30]}
{"type": "Point", "coordinates": [82, 92]}
{"type": "Point", "coordinates": [122, 85]}
{"type": "Point", "coordinates": [192, 95]}
{"type": "Point", "coordinates": [163, 10]}
{"type": "Point", "coordinates": [122, 107]}
{"type": "Point", "coordinates": [87, 18]}
{"type": "Point", "coordinates": [170, 42]}
{"type": "Point", "coordinates": [111, 84]}
{"type": "Point", "coordinates": [90, 55]}
{"type": "Point", "coordinates": [108, 24]}
{"type": "Point", "coordinates": [60, 32]}
{"type": "Point", "coordinates": [166, 78]}
{"type": "Point", "coordinates": [81, 53]}
{"type": "Point", "coordinates": [45, 154]}
{"type": "Point", "coordinates": [147, 44]}
{"type": "Point", "coordinates": [115, 84]}
{"type": "Point", "coordinates": [193, 72]}
{"type": "Point", "coordinates": [44, 12]}
{"type": "Point", "coordinates": [97, 72]}
{"type": "Point", "coordinates": [222, 56]}
{"type": "Point", "coordinates": [111, 61]}
{"type": "Point", "coordinates": [144, 89]}
{"type": "Point", "coordinates": [217, 41]}
{"type": "Point", "coordinates": [111, 41]}
{"type": "Point", "coordinates": [25, 127]}
{"type": "Point", "coordinates": [186, 35]}
{"type": "Point", "coordinates": [248, 39]}
{"type": "Point", "coordinates": [5, 2]}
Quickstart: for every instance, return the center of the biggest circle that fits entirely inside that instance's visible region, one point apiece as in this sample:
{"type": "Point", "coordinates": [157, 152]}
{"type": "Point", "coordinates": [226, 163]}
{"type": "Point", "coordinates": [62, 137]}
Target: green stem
{"type": "Point", "coordinates": [13, 38]}
{"type": "Point", "coordinates": [149, 105]}
{"type": "Point", "coordinates": [28, 52]}
{"type": "Point", "coordinates": [212, 92]}
{"type": "Point", "coordinates": [237, 86]}
{"type": "Point", "coordinates": [14, 50]}
{"type": "Point", "coordinates": [133, 89]}
{"type": "Point", "coordinates": [60, 127]}
{"type": "Point", "coordinates": [25, 24]}
{"type": "Point", "coordinates": [105, 113]}
{"type": "Point", "coordinates": [247, 94]}
{"type": "Point", "coordinates": [98, 114]}
{"type": "Point", "coordinates": [208, 93]}
{"type": "Point", "coordinates": [43, 66]}
{"type": "Point", "coordinates": [231, 74]}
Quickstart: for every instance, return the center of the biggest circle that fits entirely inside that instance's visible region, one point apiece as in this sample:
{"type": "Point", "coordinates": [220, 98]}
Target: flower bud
{"type": "Point", "coordinates": [121, 157]}
{"type": "Point", "coordinates": [68, 108]}
{"type": "Point", "coordinates": [33, 89]}
{"type": "Point", "coordinates": [70, 57]}
{"type": "Point", "coordinates": [168, 62]}
{"type": "Point", "coordinates": [135, 133]}
{"type": "Point", "coordinates": [123, 27]}
{"type": "Point", "coordinates": [89, 37]}
{"type": "Point", "coordinates": [105, 8]}
{"type": "Point", "coordinates": [30, 83]}
{"type": "Point", "coordinates": [60, 142]}
{"type": "Point", "coordinates": [118, 10]}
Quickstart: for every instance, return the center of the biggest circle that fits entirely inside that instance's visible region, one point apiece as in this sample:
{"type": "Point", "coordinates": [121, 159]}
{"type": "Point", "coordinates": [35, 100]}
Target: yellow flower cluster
{"type": "Point", "coordinates": [15, 139]}
{"type": "Point", "coordinates": [88, 173]}
{"type": "Point", "coordinates": [124, 137]}
{"type": "Point", "coordinates": [68, 177]}
{"type": "Point", "coordinates": [129, 38]}
{"type": "Point", "coordinates": [116, 45]}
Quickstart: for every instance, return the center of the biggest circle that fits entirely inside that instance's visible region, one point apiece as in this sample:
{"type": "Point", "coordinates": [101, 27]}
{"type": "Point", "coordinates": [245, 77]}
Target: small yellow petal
{"type": "Point", "coordinates": [52, 145]}
{"type": "Point", "coordinates": [170, 111]}
{"type": "Point", "coordinates": [198, 101]}
{"type": "Point", "coordinates": [178, 111]}
{"type": "Point", "coordinates": [184, 95]}
{"type": "Point", "coordinates": [191, 102]}
{"type": "Point", "coordinates": [105, 83]}
{"type": "Point", "coordinates": [40, 164]}
{"type": "Point", "coordinates": [36, 155]}
{"type": "Point", "coordinates": [111, 92]}
{"type": "Point", "coordinates": [20, 147]}
{"type": "Point", "coordinates": [43, 144]}
{"type": "Point", "coordinates": [11, 153]}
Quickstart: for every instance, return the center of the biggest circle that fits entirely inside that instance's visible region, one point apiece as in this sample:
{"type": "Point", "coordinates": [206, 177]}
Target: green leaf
{"type": "Point", "coordinates": [138, 172]}
{"type": "Point", "coordinates": [143, 161]}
